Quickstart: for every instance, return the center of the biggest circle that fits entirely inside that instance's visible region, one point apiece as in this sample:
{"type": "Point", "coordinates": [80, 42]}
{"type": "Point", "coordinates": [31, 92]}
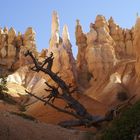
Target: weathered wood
{"type": "Point", "coordinates": [52, 105]}
{"type": "Point", "coordinates": [83, 117]}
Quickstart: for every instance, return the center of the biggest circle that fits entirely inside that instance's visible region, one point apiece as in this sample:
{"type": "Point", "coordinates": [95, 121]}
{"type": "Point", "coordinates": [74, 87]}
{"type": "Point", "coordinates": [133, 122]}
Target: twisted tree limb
{"type": "Point", "coordinates": [79, 112]}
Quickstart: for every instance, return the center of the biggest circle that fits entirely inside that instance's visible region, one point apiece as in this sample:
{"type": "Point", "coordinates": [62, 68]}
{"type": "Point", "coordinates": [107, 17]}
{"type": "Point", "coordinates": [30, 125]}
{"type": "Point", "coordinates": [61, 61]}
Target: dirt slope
{"type": "Point", "coordinates": [13, 127]}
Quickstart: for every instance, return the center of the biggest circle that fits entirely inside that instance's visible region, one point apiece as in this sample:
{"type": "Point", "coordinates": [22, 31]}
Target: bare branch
{"type": "Point", "coordinates": [78, 110]}
{"type": "Point", "coordinates": [53, 106]}
{"type": "Point", "coordinates": [48, 89]}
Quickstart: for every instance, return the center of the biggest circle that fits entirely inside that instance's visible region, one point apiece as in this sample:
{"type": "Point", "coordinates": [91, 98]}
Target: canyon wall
{"type": "Point", "coordinates": [13, 46]}
{"type": "Point", "coordinates": [107, 59]}
{"type": "Point", "coordinates": [64, 62]}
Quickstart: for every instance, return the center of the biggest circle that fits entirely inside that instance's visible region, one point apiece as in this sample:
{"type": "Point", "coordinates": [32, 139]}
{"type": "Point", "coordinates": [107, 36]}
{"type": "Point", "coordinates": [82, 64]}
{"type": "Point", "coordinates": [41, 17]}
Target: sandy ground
{"type": "Point", "coordinates": [49, 115]}
{"type": "Point", "coordinates": [13, 127]}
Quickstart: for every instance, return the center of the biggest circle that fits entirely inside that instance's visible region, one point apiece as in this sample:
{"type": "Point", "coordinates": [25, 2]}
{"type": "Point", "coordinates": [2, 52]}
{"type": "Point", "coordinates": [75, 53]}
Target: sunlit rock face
{"type": "Point", "coordinates": [55, 38]}
{"type": "Point", "coordinates": [11, 43]}
{"type": "Point", "coordinates": [81, 63]}
{"type": "Point", "coordinates": [105, 50]}
{"type": "Point", "coordinates": [17, 66]}
{"type": "Point", "coordinates": [107, 61]}
{"type": "Point", "coordinates": [100, 54]}
{"type": "Point", "coordinates": [96, 54]}
{"type": "Point", "coordinates": [100, 71]}
{"type": "Point", "coordinates": [64, 62]}
{"type": "Point", "coordinates": [137, 45]}
{"type": "Point", "coordinates": [13, 46]}
{"type": "Point", "coordinates": [29, 40]}
{"type": "Point", "coordinates": [123, 40]}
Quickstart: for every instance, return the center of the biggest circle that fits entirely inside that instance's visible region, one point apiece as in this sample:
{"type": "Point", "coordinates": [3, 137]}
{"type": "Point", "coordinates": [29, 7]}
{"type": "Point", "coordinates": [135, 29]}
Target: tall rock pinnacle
{"type": "Point", "coordinates": [62, 51]}
{"type": "Point", "coordinates": [66, 38]}
{"type": "Point", "coordinates": [11, 43]}
{"type": "Point", "coordinates": [65, 34]}
{"type": "Point", "coordinates": [55, 23]}
{"type": "Point", "coordinates": [54, 30]}
{"type": "Point", "coordinates": [81, 42]}
{"type": "Point", "coordinates": [137, 44]}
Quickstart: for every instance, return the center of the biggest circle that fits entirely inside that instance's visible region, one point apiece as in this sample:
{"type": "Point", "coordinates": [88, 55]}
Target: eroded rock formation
{"type": "Point", "coordinates": [13, 46]}
{"type": "Point", "coordinates": [106, 51]}
{"type": "Point", "coordinates": [81, 42]}
{"type": "Point", "coordinates": [137, 45]}
{"type": "Point", "coordinates": [64, 62]}
{"type": "Point", "coordinates": [123, 39]}
{"type": "Point", "coordinates": [107, 63]}
{"type": "Point", "coordinates": [96, 54]}
{"type": "Point", "coordinates": [100, 54]}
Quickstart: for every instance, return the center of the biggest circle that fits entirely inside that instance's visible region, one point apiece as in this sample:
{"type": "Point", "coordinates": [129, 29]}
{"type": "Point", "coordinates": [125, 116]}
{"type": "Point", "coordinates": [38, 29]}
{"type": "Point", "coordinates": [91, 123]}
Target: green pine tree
{"type": "Point", "coordinates": [3, 86]}
{"type": "Point", "coordinates": [3, 91]}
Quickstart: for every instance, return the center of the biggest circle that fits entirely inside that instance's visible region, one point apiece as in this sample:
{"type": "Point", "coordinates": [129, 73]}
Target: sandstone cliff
{"type": "Point", "coordinates": [13, 46]}
{"type": "Point", "coordinates": [106, 59]}
{"type": "Point", "coordinates": [107, 64]}
{"type": "Point", "coordinates": [64, 62]}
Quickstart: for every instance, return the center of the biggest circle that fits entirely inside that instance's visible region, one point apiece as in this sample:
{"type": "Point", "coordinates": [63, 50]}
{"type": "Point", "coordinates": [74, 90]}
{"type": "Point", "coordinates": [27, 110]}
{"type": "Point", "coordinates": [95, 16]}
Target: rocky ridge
{"type": "Point", "coordinates": [107, 64]}
{"type": "Point", "coordinates": [13, 46]}
{"type": "Point", "coordinates": [103, 54]}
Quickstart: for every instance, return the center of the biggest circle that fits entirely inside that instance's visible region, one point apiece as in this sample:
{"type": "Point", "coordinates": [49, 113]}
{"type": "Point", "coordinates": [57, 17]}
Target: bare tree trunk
{"type": "Point", "coordinates": [83, 117]}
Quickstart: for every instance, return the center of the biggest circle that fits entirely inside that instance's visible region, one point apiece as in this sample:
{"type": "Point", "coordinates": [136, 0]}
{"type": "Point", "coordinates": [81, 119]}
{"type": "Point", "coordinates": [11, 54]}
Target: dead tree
{"type": "Point", "coordinates": [77, 110]}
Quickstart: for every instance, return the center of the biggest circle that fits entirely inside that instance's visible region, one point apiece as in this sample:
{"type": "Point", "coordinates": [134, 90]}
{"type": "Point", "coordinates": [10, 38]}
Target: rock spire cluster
{"type": "Point", "coordinates": [13, 46]}
{"type": "Point", "coordinates": [99, 51]}
{"type": "Point", "coordinates": [64, 62]}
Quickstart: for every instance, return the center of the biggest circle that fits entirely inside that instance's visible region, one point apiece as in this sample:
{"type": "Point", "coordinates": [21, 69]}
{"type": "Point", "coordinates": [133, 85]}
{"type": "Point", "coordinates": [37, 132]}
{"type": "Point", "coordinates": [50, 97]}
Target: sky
{"type": "Point", "coordinates": [21, 14]}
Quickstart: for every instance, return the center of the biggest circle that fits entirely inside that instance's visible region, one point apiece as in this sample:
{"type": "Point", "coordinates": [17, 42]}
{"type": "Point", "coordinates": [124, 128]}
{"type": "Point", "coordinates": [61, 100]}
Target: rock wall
{"type": "Point", "coordinates": [13, 46]}
{"type": "Point", "coordinates": [123, 39]}
{"type": "Point", "coordinates": [64, 62]}
{"type": "Point", "coordinates": [106, 55]}
{"type": "Point", "coordinates": [137, 46]}
{"type": "Point", "coordinates": [81, 64]}
{"type": "Point", "coordinates": [96, 54]}
{"type": "Point", "coordinates": [106, 59]}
